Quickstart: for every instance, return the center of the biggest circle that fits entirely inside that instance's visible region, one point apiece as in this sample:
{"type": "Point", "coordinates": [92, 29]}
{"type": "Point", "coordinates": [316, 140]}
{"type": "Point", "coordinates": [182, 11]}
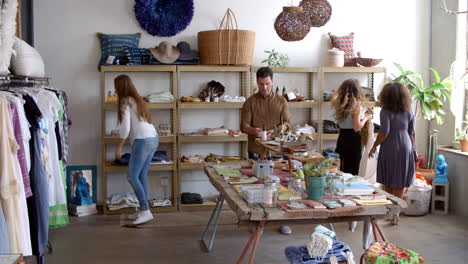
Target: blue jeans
{"type": "Point", "coordinates": [142, 151]}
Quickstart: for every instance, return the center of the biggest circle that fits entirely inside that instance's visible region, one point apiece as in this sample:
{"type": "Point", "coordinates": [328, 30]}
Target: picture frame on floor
{"type": "Point", "coordinates": [81, 184]}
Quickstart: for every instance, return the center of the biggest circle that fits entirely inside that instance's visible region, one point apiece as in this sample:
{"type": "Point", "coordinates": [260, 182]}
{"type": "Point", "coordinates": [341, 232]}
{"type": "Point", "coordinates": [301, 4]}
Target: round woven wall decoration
{"type": "Point", "coordinates": [292, 24]}
{"type": "Point", "coordinates": [164, 18]}
{"type": "Point", "coordinates": [319, 11]}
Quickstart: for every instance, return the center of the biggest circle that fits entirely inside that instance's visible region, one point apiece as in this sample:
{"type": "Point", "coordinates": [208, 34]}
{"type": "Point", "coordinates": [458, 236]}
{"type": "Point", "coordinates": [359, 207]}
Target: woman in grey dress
{"type": "Point", "coordinates": [395, 164]}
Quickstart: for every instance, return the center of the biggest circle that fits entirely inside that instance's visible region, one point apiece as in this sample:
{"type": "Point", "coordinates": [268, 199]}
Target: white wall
{"type": "Point", "coordinates": [395, 30]}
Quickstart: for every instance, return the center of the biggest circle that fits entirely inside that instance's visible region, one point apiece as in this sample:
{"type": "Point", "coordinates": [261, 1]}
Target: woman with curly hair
{"type": "Point", "coordinates": [395, 164]}
{"type": "Point", "coordinates": [348, 101]}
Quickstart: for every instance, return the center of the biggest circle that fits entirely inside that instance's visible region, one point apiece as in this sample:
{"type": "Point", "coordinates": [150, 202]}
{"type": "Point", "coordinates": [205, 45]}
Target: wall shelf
{"type": "Point", "coordinates": [303, 104]}
{"type": "Point", "coordinates": [153, 167]}
{"type": "Point", "coordinates": [195, 139]}
{"type": "Point", "coordinates": [211, 105]}
{"type": "Point", "coordinates": [162, 139]}
{"type": "Point", "coordinates": [113, 106]}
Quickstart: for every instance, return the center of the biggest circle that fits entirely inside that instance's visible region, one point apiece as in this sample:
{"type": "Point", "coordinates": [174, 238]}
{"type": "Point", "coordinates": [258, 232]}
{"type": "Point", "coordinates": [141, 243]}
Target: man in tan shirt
{"type": "Point", "coordinates": [263, 109]}
{"type": "Point", "coordinates": [268, 110]}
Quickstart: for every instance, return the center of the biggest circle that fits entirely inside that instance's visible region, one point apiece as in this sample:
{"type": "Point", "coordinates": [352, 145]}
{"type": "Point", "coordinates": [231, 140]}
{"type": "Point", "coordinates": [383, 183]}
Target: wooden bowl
{"type": "Point", "coordinates": [367, 62]}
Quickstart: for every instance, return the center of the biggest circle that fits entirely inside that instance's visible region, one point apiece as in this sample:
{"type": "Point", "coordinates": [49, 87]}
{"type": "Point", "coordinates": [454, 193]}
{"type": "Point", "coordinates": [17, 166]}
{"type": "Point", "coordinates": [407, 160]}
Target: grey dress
{"type": "Point", "coordinates": [396, 165]}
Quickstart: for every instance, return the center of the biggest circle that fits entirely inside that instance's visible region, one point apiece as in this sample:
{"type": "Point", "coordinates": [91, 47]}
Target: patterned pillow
{"type": "Point", "coordinates": [346, 44]}
{"type": "Point", "coordinates": [137, 56]}
{"type": "Point", "coordinates": [113, 45]}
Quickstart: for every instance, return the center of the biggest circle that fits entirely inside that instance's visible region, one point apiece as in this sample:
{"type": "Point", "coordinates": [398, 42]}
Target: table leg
{"type": "Point", "coordinates": [255, 237]}
{"type": "Point", "coordinates": [290, 165]}
{"type": "Point", "coordinates": [367, 233]}
{"type": "Point", "coordinates": [257, 240]}
{"type": "Point", "coordinates": [216, 213]}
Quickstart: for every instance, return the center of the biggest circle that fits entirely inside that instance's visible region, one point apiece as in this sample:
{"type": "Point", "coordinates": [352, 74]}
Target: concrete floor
{"type": "Point", "coordinates": [173, 238]}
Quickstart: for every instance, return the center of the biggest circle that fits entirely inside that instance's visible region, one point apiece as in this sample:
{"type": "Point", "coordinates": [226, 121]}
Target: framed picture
{"type": "Point", "coordinates": [81, 184]}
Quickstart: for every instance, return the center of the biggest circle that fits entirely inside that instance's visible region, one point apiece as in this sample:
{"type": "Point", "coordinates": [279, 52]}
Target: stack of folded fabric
{"type": "Point", "coordinates": [300, 255]}
{"type": "Point", "coordinates": [159, 97]}
{"type": "Point", "coordinates": [122, 200]}
{"type": "Point", "coordinates": [191, 198]}
{"type": "Point", "coordinates": [219, 131]}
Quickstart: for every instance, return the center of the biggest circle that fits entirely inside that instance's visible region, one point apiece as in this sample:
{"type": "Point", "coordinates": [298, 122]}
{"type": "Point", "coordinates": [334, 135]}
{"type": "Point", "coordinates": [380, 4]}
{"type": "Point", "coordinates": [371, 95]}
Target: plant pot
{"type": "Point", "coordinates": [315, 186]}
{"type": "Point", "coordinates": [464, 145]}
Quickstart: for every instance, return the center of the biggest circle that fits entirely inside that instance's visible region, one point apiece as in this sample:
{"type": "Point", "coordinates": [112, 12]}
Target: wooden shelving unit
{"type": "Point", "coordinates": [244, 77]}
{"type": "Point", "coordinates": [106, 166]}
{"type": "Point", "coordinates": [334, 136]}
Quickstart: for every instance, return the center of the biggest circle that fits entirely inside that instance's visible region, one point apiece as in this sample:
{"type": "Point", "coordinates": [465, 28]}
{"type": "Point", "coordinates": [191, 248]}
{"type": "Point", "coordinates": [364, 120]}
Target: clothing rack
{"type": "Point", "coordinates": [6, 80]}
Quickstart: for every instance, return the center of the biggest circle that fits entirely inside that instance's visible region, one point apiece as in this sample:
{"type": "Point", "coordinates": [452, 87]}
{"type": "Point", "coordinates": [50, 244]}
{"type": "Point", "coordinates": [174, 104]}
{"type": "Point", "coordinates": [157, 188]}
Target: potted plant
{"type": "Point", "coordinates": [315, 177]}
{"type": "Point", "coordinates": [462, 135]}
{"type": "Point", "coordinates": [429, 101]}
{"type": "Point", "coordinates": [276, 59]}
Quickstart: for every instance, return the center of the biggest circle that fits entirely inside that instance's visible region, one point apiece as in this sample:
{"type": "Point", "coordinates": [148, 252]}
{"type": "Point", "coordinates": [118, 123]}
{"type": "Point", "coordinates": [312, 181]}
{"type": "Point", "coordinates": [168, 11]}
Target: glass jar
{"type": "Point", "coordinates": [296, 192]}
{"type": "Point", "coordinates": [270, 196]}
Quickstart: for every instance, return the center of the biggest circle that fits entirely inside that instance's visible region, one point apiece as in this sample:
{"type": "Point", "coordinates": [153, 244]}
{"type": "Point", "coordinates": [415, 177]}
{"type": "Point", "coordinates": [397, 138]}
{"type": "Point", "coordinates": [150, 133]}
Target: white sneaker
{"type": "Point", "coordinates": [143, 217]}
{"type": "Point", "coordinates": [134, 216]}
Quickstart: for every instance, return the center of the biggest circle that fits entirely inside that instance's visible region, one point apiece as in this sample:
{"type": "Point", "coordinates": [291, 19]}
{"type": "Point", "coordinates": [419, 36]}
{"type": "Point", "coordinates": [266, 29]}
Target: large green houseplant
{"type": "Point", "coordinates": [429, 101]}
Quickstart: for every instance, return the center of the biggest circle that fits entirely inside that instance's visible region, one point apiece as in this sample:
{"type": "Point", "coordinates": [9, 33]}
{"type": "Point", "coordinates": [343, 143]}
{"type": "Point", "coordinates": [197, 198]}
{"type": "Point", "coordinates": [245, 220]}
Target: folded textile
{"type": "Point", "coordinates": [328, 153]}
{"type": "Point", "coordinates": [122, 200]}
{"type": "Point", "coordinates": [159, 156]}
{"type": "Point", "coordinates": [300, 255]}
{"type": "Point", "coordinates": [306, 130]}
{"type": "Point", "coordinates": [330, 127]}
{"type": "Point", "coordinates": [159, 97]}
{"type": "Point", "coordinates": [216, 131]}
{"type": "Point", "coordinates": [191, 198]}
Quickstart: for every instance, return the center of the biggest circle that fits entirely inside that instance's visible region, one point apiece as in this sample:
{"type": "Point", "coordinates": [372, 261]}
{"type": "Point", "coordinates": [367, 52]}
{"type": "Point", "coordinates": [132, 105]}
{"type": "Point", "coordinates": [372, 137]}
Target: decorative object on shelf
{"type": "Point", "coordinates": [293, 24]}
{"type": "Point", "coordinates": [26, 60]}
{"type": "Point", "coordinates": [8, 10]}
{"type": "Point", "coordinates": [319, 11]}
{"type": "Point", "coordinates": [441, 170]}
{"type": "Point", "coordinates": [165, 52]}
{"type": "Point", "coordinates": [276, 59]}
{"type": "Point", "coordinates": [228, 45]}
{"type": "Point", "coordinates": [335, 58]}
{"type": "Point", "coordinates": [137, 56]}
{"type": "Point", "coordinates": [212, 89]}
{"type": "Point", "coordinates": [366, 62]}
{"type": "Point", "coordinates": [186, 54]}
{"type": "Point", "coordinates": [346, 44]}
{"type": "Point", "coordinates": [462, 134]}
{"type": "Point", "coordinates": [113, 45]}
{"type": "Point", "coordinates": [81, 185]}
{"type": "Point", "coordinates": [164, 18]}
{"type": "Point", "coordinates": [164, 129]}
{"type": "Point", "coordinates": [190, 99]}
{"type": "Point", "coordinates": [115, 133]}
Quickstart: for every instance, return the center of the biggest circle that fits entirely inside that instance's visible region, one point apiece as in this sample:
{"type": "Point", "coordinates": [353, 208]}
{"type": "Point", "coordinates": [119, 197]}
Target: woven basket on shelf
{"type": "Point", "coordinates": [366, 62]}
{"type": "Point", "coordinates": [319, 11]}
{"type": "Point", "coordinates": [292, 24]}
{"type": "Point", "coordinates": [227, 45]}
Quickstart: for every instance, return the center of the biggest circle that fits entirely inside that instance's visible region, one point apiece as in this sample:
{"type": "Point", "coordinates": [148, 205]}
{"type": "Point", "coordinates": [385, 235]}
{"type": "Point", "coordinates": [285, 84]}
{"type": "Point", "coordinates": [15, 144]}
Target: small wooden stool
{"type": "Point", "coordinates": [440, 198]}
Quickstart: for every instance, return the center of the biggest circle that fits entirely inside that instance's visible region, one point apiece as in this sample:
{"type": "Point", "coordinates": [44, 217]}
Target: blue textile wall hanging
{"type": "Point", "coordinates": [164, 18]}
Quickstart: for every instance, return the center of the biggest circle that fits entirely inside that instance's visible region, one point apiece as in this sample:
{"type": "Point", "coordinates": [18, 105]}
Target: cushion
{"type": "Point", "coordinates": [113, 45]}
{"type": "Point", "coordinates": [384, 252]}
{"type": "Point", "coordinates": [26, 60]}
{"type": "Point", "coordinates": [137, 56]}
{"type": "Point", "coordinates": [346, 44]}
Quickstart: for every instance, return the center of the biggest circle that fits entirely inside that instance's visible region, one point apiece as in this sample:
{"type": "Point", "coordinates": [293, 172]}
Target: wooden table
{"type": "Point", "coordinates": [249, 214]}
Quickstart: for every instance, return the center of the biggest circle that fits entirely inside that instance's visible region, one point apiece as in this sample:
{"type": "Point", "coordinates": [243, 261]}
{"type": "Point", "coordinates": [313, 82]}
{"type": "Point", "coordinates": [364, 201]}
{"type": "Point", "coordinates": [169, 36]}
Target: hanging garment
{"type": "Point", "coordinates": [38, 204]}
{"type": "Point", "coordinates": [21, 151]}
{"type": "Point", "coordinates": [368, 166]}
{"type": "Point", "coordinates": [12, 194]}
{"type": "Point", "coordinates": [49, 105]}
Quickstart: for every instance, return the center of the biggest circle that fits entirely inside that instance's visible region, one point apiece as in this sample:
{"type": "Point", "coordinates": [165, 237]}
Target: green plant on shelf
{"type": "Point", "coordinates": [276, 59]}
